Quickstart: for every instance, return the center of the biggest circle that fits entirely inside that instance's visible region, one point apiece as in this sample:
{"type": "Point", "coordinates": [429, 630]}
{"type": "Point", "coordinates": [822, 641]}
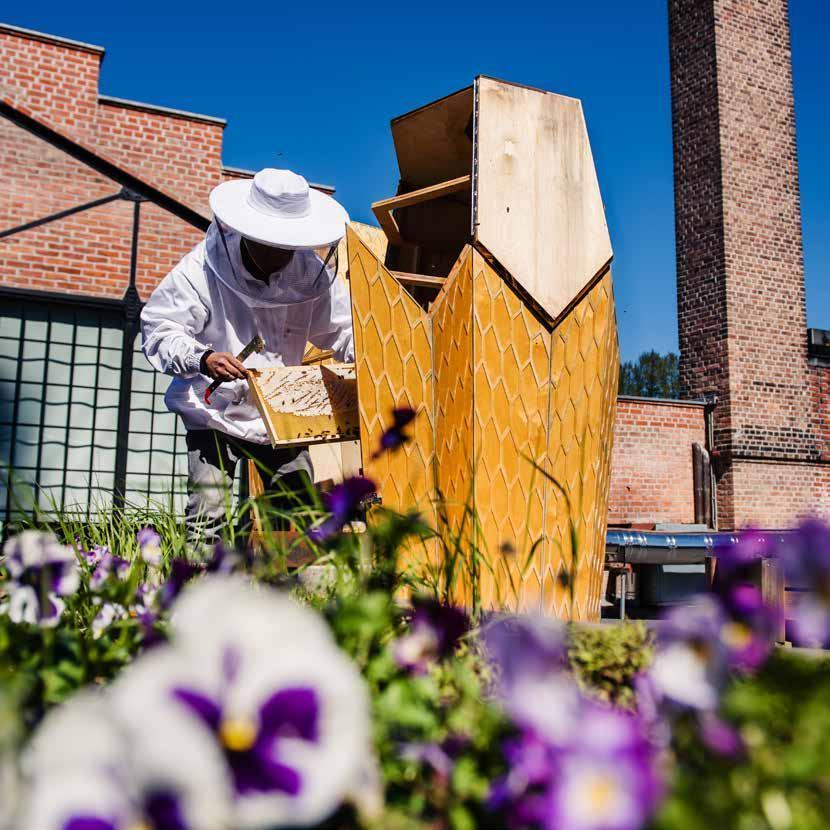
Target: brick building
{"type": "Point", "coordinates": [652, 479]}
{"type": "Point", "coordinates": [101, 198]}
{"type": "Point", "coordinates": [124, 188]}
{"type": "Point", "coordinates": [740, 273]}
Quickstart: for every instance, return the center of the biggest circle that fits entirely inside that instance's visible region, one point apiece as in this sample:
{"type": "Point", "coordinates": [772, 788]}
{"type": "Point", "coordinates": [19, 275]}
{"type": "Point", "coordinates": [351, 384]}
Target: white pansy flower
{"type": "Point", "coordinates": [41, 571]}
{"type": "Point", "coordinates": [87, 764]}
{"type": "Point", "coordinates": [263, 677]}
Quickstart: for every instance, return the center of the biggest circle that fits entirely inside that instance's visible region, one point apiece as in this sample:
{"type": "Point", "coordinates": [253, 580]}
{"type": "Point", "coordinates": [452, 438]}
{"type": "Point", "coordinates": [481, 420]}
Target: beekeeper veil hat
{"type": "Point", "coordinates": [278, 208]}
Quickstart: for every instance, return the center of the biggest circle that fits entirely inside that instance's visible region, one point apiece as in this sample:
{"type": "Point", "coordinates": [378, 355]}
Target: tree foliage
{"type": "Point", "coordinates": [652, 375]}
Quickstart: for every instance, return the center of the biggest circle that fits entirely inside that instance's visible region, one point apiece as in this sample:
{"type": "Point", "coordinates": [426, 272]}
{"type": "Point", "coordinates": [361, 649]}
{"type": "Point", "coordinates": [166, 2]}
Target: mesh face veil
{"type": "Point", "coordinates": [293, 285]}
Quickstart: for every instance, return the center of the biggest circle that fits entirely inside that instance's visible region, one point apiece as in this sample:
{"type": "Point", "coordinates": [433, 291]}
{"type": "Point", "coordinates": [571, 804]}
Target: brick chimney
{"type": "Point", "coordinates": [740, 273]}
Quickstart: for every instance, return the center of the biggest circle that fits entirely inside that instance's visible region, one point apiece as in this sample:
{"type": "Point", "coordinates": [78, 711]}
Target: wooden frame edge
{"type": "Point", "coordinates": [262, 407]}
{"type": "Point", "coordinates": [383, 209]}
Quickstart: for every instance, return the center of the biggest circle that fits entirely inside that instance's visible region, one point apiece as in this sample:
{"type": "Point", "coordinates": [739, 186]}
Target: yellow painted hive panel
{"type": "Point", "coordinates": [452, 333]}
{"type": "Point", "coordinates": [585, 376]}
{"type": "Point", "coordinates": [512, 414]}
{"type": "Point", "coordinates": [511, 366]}
{"type": "Point", "coordinates": [393, 345]}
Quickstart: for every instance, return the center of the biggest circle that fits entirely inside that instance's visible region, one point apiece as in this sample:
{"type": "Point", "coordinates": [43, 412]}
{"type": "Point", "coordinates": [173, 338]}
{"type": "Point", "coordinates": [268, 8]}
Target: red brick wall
{"type": "Point", "coordinates": [701, 295]}
{"type": "Point", "coordinates": [820, 408]}
{"type": "Point", "coordinates": [741, 301]}
{"type": "Point", "coordinates": [51, 80]}
{"type": "Point", "coordinates": [89, 253]}
{"type": "Point", "coordinates": [775, 494]}
{"type": "Point", "coordinates": [651, 470]}
{"type": "Point", "coordinates": [179, 155]}
{"type": "Point", "coordinates": [766, 314]}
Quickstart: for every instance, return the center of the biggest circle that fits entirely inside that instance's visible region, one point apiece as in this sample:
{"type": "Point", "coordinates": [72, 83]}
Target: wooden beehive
{"type": "Point", "coordinates": [493, 315]}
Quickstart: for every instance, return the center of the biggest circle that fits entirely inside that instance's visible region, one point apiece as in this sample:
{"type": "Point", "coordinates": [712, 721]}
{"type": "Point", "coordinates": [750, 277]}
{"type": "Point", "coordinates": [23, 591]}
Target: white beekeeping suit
{"type": "Point", "coordinates": [210, 301]}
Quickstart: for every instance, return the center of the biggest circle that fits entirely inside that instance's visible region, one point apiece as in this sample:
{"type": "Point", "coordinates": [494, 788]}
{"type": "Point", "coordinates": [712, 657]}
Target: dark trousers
{"type": "Point", "coordinates": [212, 461]}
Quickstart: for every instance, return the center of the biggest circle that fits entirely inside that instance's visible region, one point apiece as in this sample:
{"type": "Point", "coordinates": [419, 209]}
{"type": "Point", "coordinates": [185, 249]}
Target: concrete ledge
{"type": "Point", "coordinates": [661, 401]}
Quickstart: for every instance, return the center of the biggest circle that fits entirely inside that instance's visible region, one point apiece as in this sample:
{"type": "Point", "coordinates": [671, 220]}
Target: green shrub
{"type": "Point", "coordinates": [781, 781]}
{"type": "Point", "coordinates": [606, 658]}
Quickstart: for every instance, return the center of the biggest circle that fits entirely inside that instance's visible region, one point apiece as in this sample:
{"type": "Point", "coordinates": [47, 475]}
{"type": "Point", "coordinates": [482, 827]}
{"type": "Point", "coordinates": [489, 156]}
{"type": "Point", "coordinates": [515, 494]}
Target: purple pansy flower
{"type": "Point", "coordinates": [145, 608]}
{"type": "Point", "coordinates": [752, 624]}
{"type": "Point", "coordinates": [750, 628]}
{"type": "Point", "coordinates": [149, 545]}
{"type": "Point", "coordinates": [530, 657]}
{"type": "Point", "coordinates": [107, 566]}
{"type": "Point", "coordinates": [526, 645]}
{"type": "Point", "coordinates": [696, 648]}
{"type": "Point", "coordinates": [157, 809]}
{"type": "Point", "coordinates": [531, 764]}
{"type": "Point", "coordinates": [691, 662]}
{"type": "Point", "coordinates": [343, 503]}
{"type": "Point", "coordinates": [223, 560]}
{"type": "Point", "coordinates": [395, 437]}
{"type": "Point", "coordinates": [440, 756]}
{"type": "Point", "coordinates": [435, 630]}
{"type": "Point", "coordinates": [181, 572]}
{"type": "Point", "coordinates": [284, 707]}
{"type": "Point", "coordinates": [41, 571]}
{"type": "Point", "coordinates": [90, 766]}
{"type": "Point", "coordinates": [806, 557]}
{"type": "Point", "coordinates": [603, 777]}
{"type": "Point", "coordinates": [109, 613]}
{"type": "Point", "coordinates": [94, 555]}
{"type": "Point", "coordinates": [720, 737]}
{"type": "Point", "coordinates": [90, 822]}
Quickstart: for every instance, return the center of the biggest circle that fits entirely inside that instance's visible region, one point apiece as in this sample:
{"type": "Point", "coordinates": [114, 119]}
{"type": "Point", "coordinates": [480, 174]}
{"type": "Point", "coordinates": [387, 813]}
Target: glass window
{"type": "Point", "coordinates": [50, 424]}
{"type": "Point", "coordinates": [10, 327]}
{"type": "Point", "coordinates": [157, 461]}
{"type": "Point", "coordinates": [59, 409]}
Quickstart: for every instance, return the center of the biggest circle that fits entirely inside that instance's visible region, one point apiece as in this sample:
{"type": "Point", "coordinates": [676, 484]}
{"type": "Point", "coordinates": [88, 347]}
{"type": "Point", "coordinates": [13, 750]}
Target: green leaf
{"type": "Point", "coordinates": [467, 781]}
{"type": "Point", "coordinates": [461, 818]}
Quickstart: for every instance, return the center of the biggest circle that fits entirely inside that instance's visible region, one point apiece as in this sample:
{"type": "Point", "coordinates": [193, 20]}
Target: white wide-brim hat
{"type": "Point", "coordinates": [278, 208]}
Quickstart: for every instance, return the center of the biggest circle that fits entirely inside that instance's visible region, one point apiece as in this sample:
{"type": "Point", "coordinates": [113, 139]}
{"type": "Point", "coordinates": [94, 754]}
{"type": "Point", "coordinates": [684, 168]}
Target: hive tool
{"type": "Point", "coordinates": [257, 344]}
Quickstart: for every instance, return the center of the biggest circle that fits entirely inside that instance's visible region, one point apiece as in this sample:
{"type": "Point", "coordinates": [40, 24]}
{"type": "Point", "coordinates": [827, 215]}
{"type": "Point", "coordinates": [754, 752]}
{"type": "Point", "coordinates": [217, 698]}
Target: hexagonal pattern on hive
{"type": "Point", "coordinates": [452, 334]}
{"type": "Point", "coordinates": [451, 316]}
{"type": "Point", "coordinates": [584, 380]}
{"type": "Point", "coordinates": [394, 369]}
{"type": "Point", "coordinates": [511, 368]}
{"type": "Point", "coordinates": [513, 414]}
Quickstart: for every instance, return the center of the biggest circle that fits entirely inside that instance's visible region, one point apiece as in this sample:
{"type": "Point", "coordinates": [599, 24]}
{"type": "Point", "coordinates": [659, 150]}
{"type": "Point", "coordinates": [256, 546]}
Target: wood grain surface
{"type": "Point", "coordinates": [538, 204]}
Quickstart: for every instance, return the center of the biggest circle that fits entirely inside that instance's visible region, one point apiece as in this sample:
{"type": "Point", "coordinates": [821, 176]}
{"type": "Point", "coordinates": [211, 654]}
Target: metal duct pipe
{"type": "Point", "coordinates": [648, 547]}
{"type": "Point", "coordinates": [702, 476]}
{"type": "Point", "coordinates": [711, 401]}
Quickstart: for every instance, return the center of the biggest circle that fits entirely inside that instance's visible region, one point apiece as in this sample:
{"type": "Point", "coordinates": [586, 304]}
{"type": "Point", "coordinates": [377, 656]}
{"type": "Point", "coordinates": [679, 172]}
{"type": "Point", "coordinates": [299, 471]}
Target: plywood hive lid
{"type": "Point", "coordinates": [536, 204]}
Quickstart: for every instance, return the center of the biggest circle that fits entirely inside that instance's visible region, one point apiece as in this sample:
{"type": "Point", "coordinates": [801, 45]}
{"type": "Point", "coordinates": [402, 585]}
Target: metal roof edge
{"type": "Point", "coordinates": [156, 108]}
{"type": "Point", "coordinates": [244, 171]}
{"type": "Point", "coordinates": [45, 37]}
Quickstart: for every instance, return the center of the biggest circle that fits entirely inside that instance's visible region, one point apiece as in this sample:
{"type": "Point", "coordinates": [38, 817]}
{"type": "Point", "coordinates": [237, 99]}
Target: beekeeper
{"type": "Point", "coordinates": [255, 272]}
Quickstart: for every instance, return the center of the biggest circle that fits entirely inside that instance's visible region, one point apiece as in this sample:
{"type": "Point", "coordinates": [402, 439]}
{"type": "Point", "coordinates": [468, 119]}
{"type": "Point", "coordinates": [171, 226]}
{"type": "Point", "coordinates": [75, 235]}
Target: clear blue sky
{"type": "Point", "coordinates": [312, 86]}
